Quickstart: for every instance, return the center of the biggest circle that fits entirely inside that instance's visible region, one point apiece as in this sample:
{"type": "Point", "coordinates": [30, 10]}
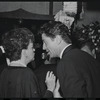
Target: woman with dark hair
{"type": "Point", "coordinates": [18, 80]}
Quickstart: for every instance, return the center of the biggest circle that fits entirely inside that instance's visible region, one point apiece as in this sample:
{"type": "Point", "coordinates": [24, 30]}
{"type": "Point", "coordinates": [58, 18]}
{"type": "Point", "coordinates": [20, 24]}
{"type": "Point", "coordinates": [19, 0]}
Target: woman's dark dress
{"type": "Point", "coordinates": [19, 82]}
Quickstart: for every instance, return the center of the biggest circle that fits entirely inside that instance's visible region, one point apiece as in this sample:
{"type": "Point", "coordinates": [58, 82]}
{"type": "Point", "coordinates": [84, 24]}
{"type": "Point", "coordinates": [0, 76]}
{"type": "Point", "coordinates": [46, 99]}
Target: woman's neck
{"type": "Point", "coordinates": [17, 63]}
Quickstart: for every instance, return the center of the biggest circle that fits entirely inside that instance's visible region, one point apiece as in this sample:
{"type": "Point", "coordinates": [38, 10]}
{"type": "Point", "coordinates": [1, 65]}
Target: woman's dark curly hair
{"type": "Point", "coordinates": [16, 40]}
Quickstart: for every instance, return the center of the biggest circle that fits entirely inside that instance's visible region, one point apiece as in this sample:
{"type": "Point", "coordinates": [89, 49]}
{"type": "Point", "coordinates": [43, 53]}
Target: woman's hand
{"type": "Point", "coordinates": [50, 81]}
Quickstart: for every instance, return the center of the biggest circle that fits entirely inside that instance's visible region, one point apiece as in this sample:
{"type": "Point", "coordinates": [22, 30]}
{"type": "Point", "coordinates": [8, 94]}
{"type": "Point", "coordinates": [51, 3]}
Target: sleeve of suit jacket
{"type": "Point", "coordinates": [48, 94]}
{"type": "Point", "coordinates": [71, 81]}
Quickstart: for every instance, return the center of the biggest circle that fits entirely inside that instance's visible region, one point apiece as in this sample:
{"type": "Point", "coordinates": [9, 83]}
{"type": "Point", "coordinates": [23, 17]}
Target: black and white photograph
{"type": "Point", "coordinates": [49, 49]}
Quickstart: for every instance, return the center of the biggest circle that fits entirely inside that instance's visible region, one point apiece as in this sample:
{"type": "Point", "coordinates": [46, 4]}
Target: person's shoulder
{"type": "Point", "coordinates": [28, 70]}
{"type": "Point", "coordinates": [76, 52]}
{"type": "Point", "coordinates": [27, 73]}
{"type": "Point", "coordinates": [19, 69]}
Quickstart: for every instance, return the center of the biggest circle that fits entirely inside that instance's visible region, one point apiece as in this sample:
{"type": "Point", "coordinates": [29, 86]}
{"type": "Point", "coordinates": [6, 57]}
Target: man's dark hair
{"type": "Point", "coordinates": [54, 28]}
{"type": "Point", "coordinates": [16, 40]}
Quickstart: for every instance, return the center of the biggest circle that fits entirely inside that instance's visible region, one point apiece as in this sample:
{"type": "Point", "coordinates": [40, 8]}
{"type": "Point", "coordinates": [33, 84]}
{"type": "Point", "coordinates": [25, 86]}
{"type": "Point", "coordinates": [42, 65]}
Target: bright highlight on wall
{"type": "Point", "coordinates": [70, 7]}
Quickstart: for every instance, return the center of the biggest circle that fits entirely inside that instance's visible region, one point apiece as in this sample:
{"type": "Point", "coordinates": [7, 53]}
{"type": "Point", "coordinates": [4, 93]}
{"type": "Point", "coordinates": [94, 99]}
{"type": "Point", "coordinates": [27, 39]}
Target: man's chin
{"type": "Point", "coordinates": [31, 60]}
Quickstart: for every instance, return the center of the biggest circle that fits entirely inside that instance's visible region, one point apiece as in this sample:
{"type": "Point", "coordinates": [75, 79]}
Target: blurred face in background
{"type": "Point", "coordinates": [88, 50]}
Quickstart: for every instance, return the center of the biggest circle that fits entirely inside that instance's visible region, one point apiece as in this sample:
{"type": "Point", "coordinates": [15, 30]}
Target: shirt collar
{"type": "Point", "coordinates": [17, 62]}
{"type": "Point", "coordinates": [63, 50]}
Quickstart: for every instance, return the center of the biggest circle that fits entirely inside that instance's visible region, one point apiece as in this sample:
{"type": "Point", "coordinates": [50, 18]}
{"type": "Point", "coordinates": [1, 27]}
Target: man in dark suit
{"type": "Point", "coordinates": [78, 72]}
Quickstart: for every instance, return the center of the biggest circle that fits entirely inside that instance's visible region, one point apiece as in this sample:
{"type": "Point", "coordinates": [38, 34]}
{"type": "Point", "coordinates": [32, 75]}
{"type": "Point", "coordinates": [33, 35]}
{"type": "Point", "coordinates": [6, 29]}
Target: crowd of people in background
{"type": "Point", "coordinates": [63, 65]}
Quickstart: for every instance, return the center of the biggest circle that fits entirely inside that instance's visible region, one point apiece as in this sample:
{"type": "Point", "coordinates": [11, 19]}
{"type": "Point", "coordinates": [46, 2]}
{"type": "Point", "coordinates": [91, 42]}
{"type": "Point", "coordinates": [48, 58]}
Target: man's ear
{"type": "Point", "coordinates": [58, 39]}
